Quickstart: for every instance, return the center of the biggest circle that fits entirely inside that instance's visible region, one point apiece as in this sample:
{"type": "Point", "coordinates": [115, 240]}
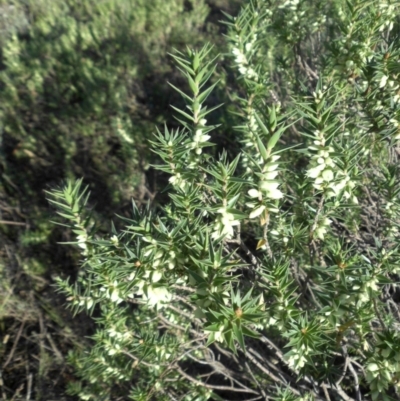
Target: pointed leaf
{"type": "Point", "coordinates": [239, 336]}
{"type": "Point", "coordinates": [261, 124]}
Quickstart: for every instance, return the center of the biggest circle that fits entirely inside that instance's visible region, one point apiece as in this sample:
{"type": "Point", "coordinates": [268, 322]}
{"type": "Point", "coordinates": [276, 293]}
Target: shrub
{"type": "Point", "coordinates": [273, 274]}
{"type": "Point", "coordinates": [72, 86]}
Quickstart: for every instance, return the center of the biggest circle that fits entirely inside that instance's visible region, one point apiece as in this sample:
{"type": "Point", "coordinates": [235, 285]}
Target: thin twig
{"type": "Point", "coordinates": [11, 354]}
{"type": "Point", "coordinates": [325, 390]}
{"type": "Point", "coordinates": [346, 364]}
{"type": "Point", "coordinates": [12, 223]}
{"type": "Point", "coordinates": [212, 386]}
{"type": "Point", "coordinates": [257, 382]}
{"type": "Point", "coordinates": [29, 390]}
{"type": "Point", "coordinates": [356, 382]}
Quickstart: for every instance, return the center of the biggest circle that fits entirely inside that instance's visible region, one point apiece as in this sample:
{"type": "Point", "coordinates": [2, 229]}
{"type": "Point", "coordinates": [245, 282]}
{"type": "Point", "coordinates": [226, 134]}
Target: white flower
{"type": "Point", "coordinates": [270, 171]}
{"type": "Point", "coordinates": [251, 73]}
{"type": "Point", "coordinates": [217, 334]}
{"type": "Point", "coordinates": [327, 175]}
{"type": "Point", "coordinates": [320, 232]}
{"type": "Point", "coordinates": [270, 175]}
{"type": "Point", "coordinates": [82, 241]}
{"type": "Point", "coordinates": [156, 295]}
{"type": "Point", "coordinates": [383, 81]}
{"type": "Point", "coordinates": [274, 194]}
{"type": "Point", "coordinates": [114, 296]}
{"type": "Point", "coordinates": [340, 185]}
{"type": "Point", "coordinates": [241, 59]}
{"type": "Point", "coordinates": [256, 212]}
{"type": "Point", "coordinates": [175, 178]}
{"type": "Point", "coordinates": [296, 361]}
{"type": "Point", "coordinates": [322, 228]}
{"type": "Point", "coordinates": [373, 369]}
{"type": "Point", "coordinates": [198, 134]}
{"type": "Point", "coordinates": [315, 171]}
{"type": "Point", "coordinates": [200, 137]}
{"type": "Point", "coordinates": [253, 193]}
{"type": "Point", "coordinates": [178, 180]}
{"type": "Point", "coordinates": [270, 185]}
{"type": "Point", "coordinates": [114, 240]}
{"type": "Point", "coordinates": [372, 284]}
{"type": "Point", "coordinates": [224, 224]}
{"type": "Point", "coordinates": [252, 123]}
{"type": "Point", "coordinates": [271, 167]}
{"type": "Point", "coordinates": [329, 162]}
{"type": "Point", "coordinates": [156, 276]}
{"type": "Point", "coordinates": [227, 219]}
{"type": "Point", "coordinates": [326, 221]}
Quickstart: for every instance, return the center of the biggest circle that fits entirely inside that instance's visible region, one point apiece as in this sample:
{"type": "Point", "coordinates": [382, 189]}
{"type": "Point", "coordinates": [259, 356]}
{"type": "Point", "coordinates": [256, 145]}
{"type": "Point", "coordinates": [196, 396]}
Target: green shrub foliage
{"type": "Point", "coordinates": [80, 90]}
{"type": "Point", "coordinates": [271, 275]}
